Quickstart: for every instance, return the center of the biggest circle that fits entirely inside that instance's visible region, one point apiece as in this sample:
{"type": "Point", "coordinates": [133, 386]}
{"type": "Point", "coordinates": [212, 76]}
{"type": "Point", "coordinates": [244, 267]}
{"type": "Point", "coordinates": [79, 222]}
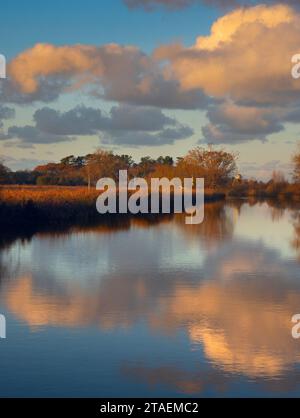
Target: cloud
{"type": "Point", "coordinates": [232, 61]}
{"type": "Point", "coordinates": [151, 5]}
{"type": "Point", "coordinates": [83, 120]}
{"type": "Point", "coordinates": [265, 171]}
{"type": "Point", "coordinates": [235, 73]}
{"type": "Point", "coordinates": [49, 90]}
{"type": "Point", "coordinates": [6, 113]}
{"type": "Point", "coordinates": [231, 124]}
{"type": "Point", "coordinates": [78, 121]}
{"type": "Point", "coordinates": [22, 163]}
{"type": "Point", "coordinates": [112, 72]}
{"type": "Point", "coordinates": [32, 135]}
{"type": "Point", "coordinates": [138, 138]}
{"type": "Point", "coordinates": [125, 124]}
{"type": "Point", "coordinates": [256, 92]}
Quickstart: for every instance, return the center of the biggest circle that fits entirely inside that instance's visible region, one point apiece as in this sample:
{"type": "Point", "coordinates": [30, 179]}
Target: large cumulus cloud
{"type": "Point", "coordinates": [247, 57]}
{"type": "Point", "coordinates": [245, 63]}
{"type": "Point", "coordinates": [237, 60]}
{"type": "Point", "coordinates": [112, 72]}
{"type": "Point", "coordinates": [240, 74]}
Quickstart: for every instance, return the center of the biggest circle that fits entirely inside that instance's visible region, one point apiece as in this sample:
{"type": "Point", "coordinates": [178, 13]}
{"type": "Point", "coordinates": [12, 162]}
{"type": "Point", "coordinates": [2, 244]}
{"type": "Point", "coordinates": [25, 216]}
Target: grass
{"type": "Point", "coordinates": [46, 204]}
{"type": "Point", "coordinates": [47, 196]}
{"type": "Point", "coordinates": [54, 205]}
{"type": "Point", "coordinates": [284, 191]}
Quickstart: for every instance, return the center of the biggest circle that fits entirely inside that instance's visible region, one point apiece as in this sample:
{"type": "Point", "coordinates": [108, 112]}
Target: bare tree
{"type": "Point", "coordinates": [101, 164]}
{"type": "Point", "coordinates": [218, 168]}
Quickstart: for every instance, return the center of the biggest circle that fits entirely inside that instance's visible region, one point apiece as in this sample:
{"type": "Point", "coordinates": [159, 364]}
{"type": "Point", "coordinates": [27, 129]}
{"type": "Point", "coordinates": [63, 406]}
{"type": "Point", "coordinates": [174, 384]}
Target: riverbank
{"type": "Point", "coordinates": [283, 192]}
{"type": "Point", "coordinates": [54, 205]}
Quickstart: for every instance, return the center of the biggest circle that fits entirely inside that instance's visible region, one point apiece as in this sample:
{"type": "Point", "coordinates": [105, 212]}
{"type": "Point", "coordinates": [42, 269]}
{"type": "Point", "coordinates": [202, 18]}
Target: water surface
{"type": "Point", "coordinates": [155, 308]}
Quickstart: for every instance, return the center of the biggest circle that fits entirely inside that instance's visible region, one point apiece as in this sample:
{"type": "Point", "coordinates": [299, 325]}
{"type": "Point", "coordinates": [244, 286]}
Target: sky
{"type": "Point", "coordinates": [150, 77]}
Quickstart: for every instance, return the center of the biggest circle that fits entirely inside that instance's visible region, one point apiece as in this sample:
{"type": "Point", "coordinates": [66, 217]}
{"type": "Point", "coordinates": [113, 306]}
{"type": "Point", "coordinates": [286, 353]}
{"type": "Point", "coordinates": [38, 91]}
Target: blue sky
{"type": "Point", "coordinates": [98, 23]}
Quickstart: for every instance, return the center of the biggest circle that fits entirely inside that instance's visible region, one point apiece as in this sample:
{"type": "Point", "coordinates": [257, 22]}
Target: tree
{"type": "Point", "coordinates": [217, 167]}
{"type": "Point", "coordinates": [68, 161]}
{"type": "Point", "coordinates": [46, 181]}
{"type": "Point", "coordinates": [101, 164]}
{"type": "Point", "coordinates": [24, 177]}
{"type": "Point", "coordinates": [146, 166]}
{"type": "Point", "coordinates": [125, 161]}
{"type": "Point", "coordinates": [4, 174]}
{"type": "Point", "coordinates": [165, 160]}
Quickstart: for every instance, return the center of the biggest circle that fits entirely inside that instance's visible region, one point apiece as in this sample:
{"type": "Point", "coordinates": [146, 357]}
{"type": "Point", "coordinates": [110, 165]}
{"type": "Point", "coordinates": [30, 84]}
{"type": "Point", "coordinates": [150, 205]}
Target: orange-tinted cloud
{"type": "Point", "coordinates": [238, 59]}
{"type": "Point", "coordinates": [238, 64]}
{"type": "Point", "coordinates": [231, 61]}
{"type": "Point", "coordinates": [235, 73]}
{"type": "Point", "coordinates": [113, 72]}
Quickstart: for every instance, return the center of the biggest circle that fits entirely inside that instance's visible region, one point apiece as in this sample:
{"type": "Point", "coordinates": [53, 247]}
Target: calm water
{"type": "Point", "coordinates": [155, 308]}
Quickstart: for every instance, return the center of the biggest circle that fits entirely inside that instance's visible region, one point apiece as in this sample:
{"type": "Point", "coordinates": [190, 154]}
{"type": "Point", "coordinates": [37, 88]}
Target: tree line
{"type": "Point", "coordinates": [217, 167]}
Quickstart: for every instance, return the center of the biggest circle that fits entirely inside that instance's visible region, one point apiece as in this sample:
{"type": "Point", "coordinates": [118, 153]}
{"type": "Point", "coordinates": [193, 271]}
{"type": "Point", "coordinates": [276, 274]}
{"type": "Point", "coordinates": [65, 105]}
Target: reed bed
{"type": "Point", "coordinates": [47, 204]}
{"type": "Point", "coordinates": [54, 205]}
